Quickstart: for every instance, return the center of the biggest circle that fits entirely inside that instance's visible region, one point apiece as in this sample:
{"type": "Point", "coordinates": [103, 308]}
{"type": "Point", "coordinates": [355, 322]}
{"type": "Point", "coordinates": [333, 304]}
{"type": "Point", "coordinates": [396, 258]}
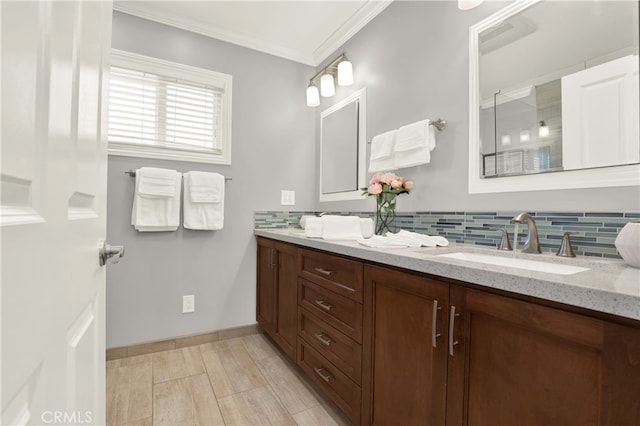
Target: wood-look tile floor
{"type": "Point", "coordinates": [241, 381]}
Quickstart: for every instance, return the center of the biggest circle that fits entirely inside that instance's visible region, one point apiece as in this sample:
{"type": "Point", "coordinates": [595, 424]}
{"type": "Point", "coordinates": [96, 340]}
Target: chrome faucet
{"type": "Point", "coordinates": [531, 244]}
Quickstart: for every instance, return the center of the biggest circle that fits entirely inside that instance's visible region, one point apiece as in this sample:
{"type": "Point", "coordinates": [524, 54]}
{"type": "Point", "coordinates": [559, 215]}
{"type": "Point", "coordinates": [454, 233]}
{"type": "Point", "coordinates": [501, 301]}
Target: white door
{"type": "Point", "coordinates": [600, 125]}
{"type": "Point", "coordinates": [52, 210]}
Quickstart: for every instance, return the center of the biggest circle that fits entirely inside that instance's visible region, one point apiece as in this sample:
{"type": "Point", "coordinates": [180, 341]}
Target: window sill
{"type": "Point", "coordinates": [170, 154]}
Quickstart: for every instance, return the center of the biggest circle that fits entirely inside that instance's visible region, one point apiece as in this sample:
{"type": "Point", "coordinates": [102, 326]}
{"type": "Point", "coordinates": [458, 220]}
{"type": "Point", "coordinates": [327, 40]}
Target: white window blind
{"type": "Point", "coordinates": [161, 114]}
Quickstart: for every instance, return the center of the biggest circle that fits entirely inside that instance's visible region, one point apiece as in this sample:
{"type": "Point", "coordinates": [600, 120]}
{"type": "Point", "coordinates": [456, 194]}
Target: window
{"type": "Point", "coordinates": [160, 109]}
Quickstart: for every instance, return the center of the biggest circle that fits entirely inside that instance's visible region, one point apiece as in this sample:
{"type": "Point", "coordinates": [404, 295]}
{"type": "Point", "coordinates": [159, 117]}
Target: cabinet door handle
{"type": "Point", "coordinates": [434, 322]}
{"type": "Point", "coordinates": [323, 271]}
{"type": "Point", "coordinates": [323, 339]}
{"type": "Point", "coordinates": [452, 319]}
{"type": "Point", "coordinates": [271, 256]}
{"type": "Point", "coordinates": [324, 305]}
{"type": "Point", "coordinates": [319, 371]}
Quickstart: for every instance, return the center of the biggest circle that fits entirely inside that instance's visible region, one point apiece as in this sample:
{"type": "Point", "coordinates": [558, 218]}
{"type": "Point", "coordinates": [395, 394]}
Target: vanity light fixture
{"type": "Point", "coordinates": [525, 136]}
{"type": "Point", "coordinates": [313, 96]}
{"type": "Point", "coordinates": [468, 4]}
{"type": "Point", "coordinates": [327, 87]}
{"type": "Point", "coordinates": [543, 130]}
{"type": "Point", "coordinates": [341, 68]}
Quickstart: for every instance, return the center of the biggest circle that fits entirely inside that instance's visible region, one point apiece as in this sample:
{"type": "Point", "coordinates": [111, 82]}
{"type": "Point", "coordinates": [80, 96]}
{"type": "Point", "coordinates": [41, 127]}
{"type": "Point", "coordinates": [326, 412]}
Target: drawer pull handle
{"type": "Point", "coordinates": [324, 271]}
{"type": "Point", "coordinates": [324, 305]}
{"type": "Point", "coordinates": [319, 371]}
{"type": "Point", "coordinates": [434, 322]}
{"type": "Point", "coordinates": [323, 339]}
{"type": "Point", "coordinates": [452, 319]}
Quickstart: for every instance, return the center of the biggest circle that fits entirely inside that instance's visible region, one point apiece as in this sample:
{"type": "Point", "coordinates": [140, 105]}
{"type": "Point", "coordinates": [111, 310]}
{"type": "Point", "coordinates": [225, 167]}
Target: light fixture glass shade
{"type": "Point", "coordinates": [345, 73]}
{"type": "Point", "coordinates": [543, 130]}
{"type": "Point", "coordinates": [327, 87]}
{"type": "Point", "coordinates": [468, 4]}
{"type": "Point", "coordinates": [313, 97]}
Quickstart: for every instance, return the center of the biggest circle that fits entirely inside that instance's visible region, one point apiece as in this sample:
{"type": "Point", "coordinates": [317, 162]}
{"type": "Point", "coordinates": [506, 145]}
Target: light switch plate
{"type": "Point", "coordinates": [287, 198]}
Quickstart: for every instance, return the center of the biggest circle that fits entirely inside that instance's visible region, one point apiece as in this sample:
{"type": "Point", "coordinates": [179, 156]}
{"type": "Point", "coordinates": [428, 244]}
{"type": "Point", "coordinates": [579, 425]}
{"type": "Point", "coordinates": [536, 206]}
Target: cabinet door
{"type": "Point", "coordinates": [266, 291]}
{"type": "Point", "coordinates": [287, 297]}
{"type": "Point", "coordinates": [516, 362]}
{"type": "Point", "coordinates": [404, 375]}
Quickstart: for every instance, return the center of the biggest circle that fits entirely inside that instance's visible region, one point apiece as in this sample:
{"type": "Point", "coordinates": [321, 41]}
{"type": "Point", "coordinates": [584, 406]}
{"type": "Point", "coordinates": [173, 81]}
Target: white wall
{"type": "Point", "coordinates": [273, 149]}
{"type": "Point", "coordinates": [413, 59]}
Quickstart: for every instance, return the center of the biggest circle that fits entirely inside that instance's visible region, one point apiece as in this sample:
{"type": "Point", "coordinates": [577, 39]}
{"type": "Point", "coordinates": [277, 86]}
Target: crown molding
{"type": "Point", "coordinates": [358, 20]}
{"type": "Point", "coordinates": [355, 23]}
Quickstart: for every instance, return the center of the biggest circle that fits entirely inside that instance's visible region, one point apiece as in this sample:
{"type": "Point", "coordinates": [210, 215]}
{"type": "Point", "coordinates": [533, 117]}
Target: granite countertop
{"type": "Point", "coordinates": [609, 286]}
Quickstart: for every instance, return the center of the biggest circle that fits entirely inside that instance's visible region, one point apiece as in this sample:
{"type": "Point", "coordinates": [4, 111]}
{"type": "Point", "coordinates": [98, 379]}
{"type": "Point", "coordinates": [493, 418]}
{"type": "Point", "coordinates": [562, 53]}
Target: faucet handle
{"type": "Point", "coordinates": [565, 249]}
{"type": "Point", "coordinates": [505, 244]}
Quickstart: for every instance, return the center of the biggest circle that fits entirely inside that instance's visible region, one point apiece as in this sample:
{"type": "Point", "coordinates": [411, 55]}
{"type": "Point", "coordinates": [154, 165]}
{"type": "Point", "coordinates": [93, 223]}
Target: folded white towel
{"type": "Point", "coordinates": [156, 201]}
{"type": "Point", "coordinates": [378, 241]}
{"type": "Point", "coordinates": [206, 187]}
{"type": "Point", "coordinates": [341, 227]}
{"type": "Point", "coordinates": [367, 226]}
{"type": "Point", "coordinates": [313, 227]}
{"type": "Point", "coordinates": [203, 201]}
{"type": "Point", "coordinates": [414, 144]}
{"type": "Point", "coordinates": [425, 240]}
{"type": "Point", "coordinates": [382, 147]}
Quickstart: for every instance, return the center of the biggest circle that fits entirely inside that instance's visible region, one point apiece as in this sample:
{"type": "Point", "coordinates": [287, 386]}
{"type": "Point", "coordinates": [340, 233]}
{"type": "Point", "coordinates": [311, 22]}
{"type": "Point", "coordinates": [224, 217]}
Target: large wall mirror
{"type": "Point", "coordinates": [343, 149]}
{"type": "Point", "coordinates": [554, 97]}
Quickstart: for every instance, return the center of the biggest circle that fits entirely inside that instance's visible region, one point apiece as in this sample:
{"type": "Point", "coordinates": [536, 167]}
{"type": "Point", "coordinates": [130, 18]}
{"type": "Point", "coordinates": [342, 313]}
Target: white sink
{"type": "Point", "coordinates": [512, 262]}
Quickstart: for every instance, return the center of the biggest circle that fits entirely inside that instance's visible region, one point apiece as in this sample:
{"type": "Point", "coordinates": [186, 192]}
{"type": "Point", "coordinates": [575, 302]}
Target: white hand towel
{"type": "Point", "coordinates": [367, 227]}
{"type": "Point", "coordinates": [341, 227]}
{"type": "Point", "coordinates": [378, 241]}
{"type": "Point", "coordinates": [203, 201]}
{"type": "Point", "coordinates": [156, 201]}
{"type": "Point", "coordinates": [313, 227]}
{"type": "Point", "coordinates": [382, 147]}
{"type": "Point", "coordinates": [414, 144]}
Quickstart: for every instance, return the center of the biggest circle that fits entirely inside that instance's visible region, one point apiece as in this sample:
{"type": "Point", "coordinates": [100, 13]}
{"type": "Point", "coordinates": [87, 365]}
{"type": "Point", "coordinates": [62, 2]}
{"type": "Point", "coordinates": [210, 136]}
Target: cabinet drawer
{"type": "Point", "coordinates": [344, 352]}
{"type": "Point", "coordinates": [337, 274]}
{"type": "Point", "coordinates": [339, 312]}
{"type": "Point", "coordinates": [345, 393]}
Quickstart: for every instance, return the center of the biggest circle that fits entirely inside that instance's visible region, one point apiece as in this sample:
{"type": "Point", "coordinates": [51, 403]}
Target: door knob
{"type": "Point", "coordinates": [108, 252]}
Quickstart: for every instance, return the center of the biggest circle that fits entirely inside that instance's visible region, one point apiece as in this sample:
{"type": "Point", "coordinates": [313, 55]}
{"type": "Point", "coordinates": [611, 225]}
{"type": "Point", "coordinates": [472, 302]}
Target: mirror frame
{"type": "Point", "coordinates": [627, 175]}
{"type": "Point", "coordinates": [360, 97]}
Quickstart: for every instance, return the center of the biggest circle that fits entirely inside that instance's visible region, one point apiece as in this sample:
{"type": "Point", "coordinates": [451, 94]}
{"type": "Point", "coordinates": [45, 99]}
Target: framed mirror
{"type": "Point", "coordinates": [554, 88]}
{"type": "Point", "coordinates": [343, 149]}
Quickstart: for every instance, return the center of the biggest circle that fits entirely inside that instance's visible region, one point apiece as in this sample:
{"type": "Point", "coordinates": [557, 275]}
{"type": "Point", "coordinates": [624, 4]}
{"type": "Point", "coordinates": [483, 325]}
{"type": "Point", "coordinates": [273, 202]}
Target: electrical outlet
{"type": "Point", "coordinates": [287, 198]}
{"type": "Point", "coordinates": [188, 303]}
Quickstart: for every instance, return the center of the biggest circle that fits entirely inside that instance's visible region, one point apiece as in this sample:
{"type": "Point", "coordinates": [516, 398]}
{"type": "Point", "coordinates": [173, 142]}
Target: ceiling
{"type": "Point", "coordinates": [305, 31]}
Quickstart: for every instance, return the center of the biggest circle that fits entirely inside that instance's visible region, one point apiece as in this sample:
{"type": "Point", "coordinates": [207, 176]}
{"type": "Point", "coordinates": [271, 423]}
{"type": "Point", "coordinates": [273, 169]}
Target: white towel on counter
{"type": "Point", "coordinates": [203, 201]}
{"type": "Point", "coordinates": [382, 147]}
{"type": "Point", "coordinates": [333, 227]}
{"type": "Point", "coordinates": [156, 201]}
{"type": "Point", "coordinates": [404, 239]}
{"type": "Point", "coordinates": [414, 144]}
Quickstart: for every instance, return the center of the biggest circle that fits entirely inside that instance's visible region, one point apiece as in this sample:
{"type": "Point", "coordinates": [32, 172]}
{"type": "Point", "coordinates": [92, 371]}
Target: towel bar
{"type": "Point", "coordinates": [132, 173]}
{"type": "Point", "coordinates": [439, 124]}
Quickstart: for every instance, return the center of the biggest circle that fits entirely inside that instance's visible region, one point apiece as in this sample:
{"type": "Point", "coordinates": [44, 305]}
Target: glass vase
{"type": "Point", "coordinates": [385, 213]}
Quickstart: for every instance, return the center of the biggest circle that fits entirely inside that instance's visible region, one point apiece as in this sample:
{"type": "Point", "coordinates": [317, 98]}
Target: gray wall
{"type": "Point", "coordinates": [413, 59]}
{"type": "Point", "coordinates": [273, 149]}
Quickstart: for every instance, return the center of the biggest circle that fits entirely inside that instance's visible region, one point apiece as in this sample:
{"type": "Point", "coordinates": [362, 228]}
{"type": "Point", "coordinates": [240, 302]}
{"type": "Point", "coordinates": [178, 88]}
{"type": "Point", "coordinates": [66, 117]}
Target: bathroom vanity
{"type": "Point", "coordinates": [406, 336]}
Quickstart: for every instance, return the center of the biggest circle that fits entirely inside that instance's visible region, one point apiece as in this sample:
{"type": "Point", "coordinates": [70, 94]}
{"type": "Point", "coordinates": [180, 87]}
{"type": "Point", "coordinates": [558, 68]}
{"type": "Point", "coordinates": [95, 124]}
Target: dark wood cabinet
{"type": "Point", "coordinates": [517, 362]}
{"type": "Point", "coordinates": [405, 348]}
{"type": "Point", "coordinates": [277, 297]}
{"type": "Point", "coordinates": [394, 347]}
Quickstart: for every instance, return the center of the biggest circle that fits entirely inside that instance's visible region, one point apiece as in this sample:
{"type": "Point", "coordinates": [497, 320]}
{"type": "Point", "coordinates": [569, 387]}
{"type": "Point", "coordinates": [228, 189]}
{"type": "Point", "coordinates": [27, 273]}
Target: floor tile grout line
{"type": "Point", "coordinates": [204, 364]}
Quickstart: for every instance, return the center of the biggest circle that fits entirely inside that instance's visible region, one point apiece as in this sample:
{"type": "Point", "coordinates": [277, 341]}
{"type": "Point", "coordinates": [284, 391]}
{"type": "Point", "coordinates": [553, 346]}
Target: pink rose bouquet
{"type": "Point", "coordinates": [386, 187]}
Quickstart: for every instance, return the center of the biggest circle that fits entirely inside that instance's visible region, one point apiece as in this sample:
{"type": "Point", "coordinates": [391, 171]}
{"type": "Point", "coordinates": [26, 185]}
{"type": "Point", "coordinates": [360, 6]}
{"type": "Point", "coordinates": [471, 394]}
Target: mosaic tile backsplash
{"type": "Point", "coordinates": [595, 233]}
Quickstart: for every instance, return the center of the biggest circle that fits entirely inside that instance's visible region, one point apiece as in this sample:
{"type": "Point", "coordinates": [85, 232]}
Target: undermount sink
{"type": "Point", "coordinates": [513, 262]}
